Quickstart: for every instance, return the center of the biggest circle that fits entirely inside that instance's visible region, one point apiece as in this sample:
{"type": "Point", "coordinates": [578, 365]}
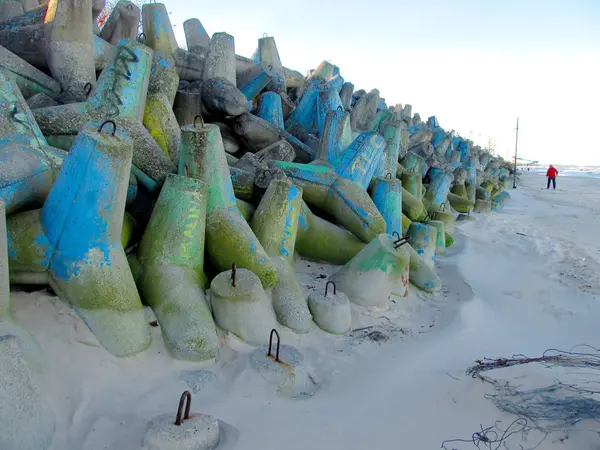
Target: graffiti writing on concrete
{"type": "Point", "coordinates": [121, 70]}
{"type": "Point", "coordinates": [191, 227]}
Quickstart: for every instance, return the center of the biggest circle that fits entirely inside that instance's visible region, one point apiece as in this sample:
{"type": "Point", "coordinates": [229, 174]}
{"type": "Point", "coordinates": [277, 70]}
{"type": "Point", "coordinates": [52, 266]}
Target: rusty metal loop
{"type": "Point", "coordinates": [187, 395]}
{"type": "Point", "coordinates": [186, 170]}
{"type": "Point", "coordinates": [143, 39]}
{"type": "Point", "coordinates": [395, 233]}
{"type": "Point", "coordinates": [388, 176]}
{"type": "Point", "coordinates": [112, 122]}
{"type": "Point", "coordinates": [88, 88]}
{"type": "Point", "coordinates": [269, 172]}
{"type": "Point", "coordinates": [201, 120]}
{"type": "Point", "coordinates": [271, 344]}
{"type": "Point", "coordinates": [233, 273]}
{"type": "Point", "coordinates": [270, 67]}
{"type": "Point", "coordinates": [340, 109]}
{"type": "Point", "coordinates": [327, 288]}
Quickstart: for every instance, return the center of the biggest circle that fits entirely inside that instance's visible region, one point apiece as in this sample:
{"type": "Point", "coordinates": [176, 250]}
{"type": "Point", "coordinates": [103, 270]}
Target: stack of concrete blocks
{"type": "Point", "coordinates": [208, 150]}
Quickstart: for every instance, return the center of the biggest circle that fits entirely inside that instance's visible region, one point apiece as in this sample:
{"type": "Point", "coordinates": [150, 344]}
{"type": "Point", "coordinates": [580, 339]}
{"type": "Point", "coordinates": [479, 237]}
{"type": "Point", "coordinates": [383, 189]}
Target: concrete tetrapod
{"type": "Point", "coordinates": [322, 241]}
{"type": "Point", "coordinates": [345, 200]}
{"type": "Point", "coordinates": [221, 97]}
{"type": "Point", "coordinates": [387, 197]}
{"type": "Point", "coordinates": [70, 51]}
{"type": "Point", "coordinates": [483, 206]}
{"type": "Point", "coordinates": [120, 95]}
{"type": "Point", "coordinates": [423, 238]}
{"type": "Point", "coordinates": [412, 207]}
{"type": "Point", "coordinates": [369, 278]}
{"type": "Point", "coordinates": [161, 123]}
{"type": "Point", "coordinates": [422, 275]}
{"type": "Point", "coordinates": [289, 302]}
{"type": "Point", "coordinates": [171, 277]}
{"type": "Point", "coordinates": [331, 313]}
{"type": "Point", "coordinates": [30, 80]}
{"type": "Point", "coordinates": [240, 305]}
{"type": "Point", "coordinates": [252, 81]}
{"type": "Point", "coordinates": [26, 419]}
{"type": "Point", "coordinates": [438, 188]}
{"type": "Point", "coordinates": [161, 38]}
{"type": "Point", "coordinates": [29, 165]}
{"type": "Point", "coordinates": [460, 204]}
{"type": "Point", "coordinates": [275, 223]}
{"type": "Point", "coordinates": [269, 109]}
{"type": "Point", "coordinates": [196, 37]}
{"type": "Point", "coordinates": [413, 183]}
{"type": "Point", "coordinates": [402, 285]}
{"type": "Point", "coordinates": [76, 238]}
{"type": "Point", "coordinates": [440, 242]}
{"type": "Point", "coordinates": [257, 134]}
{"type": "Point", "coordinates": [268, 56]}
{"type": "Point", "coordinates": [336, 137]}
{"type": "Point", "coordinates": [186, 432]}
{"type": "Point", "coordinates": [8, 326]}
{"type": "Point", "coordinates": [122, 22]}
{"type": "Point", "coordinates": [228, 236]}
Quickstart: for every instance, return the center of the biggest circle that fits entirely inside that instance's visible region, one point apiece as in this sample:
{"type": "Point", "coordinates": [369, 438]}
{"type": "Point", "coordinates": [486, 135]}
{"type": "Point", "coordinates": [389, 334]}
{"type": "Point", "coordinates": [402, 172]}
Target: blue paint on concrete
{"type": "Point", "coordinates": [270, 109]}
{"type": "Point", "coordinates": [79, 210]}
{"type": "Point", "coordinates": [360, 160]}
{"type": "Point", "coordinates": [387, 197]}
{"type": "Point", "coordinates": [327, 100]}
{"type": "Point", "coordinates": [256, 84]}
{"type": "Point", "coordinates": [439, 186]}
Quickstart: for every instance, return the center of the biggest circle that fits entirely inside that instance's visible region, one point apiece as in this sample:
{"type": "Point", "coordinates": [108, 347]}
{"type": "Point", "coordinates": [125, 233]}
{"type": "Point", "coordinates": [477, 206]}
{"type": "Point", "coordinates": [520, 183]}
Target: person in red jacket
{"type": "Point", "coordinates": [551, 175]}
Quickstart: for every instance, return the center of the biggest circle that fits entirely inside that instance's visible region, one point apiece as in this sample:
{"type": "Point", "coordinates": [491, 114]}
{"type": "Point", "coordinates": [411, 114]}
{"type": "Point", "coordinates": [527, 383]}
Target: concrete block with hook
{"type": "Point", "coordinates": [331, 311]}
{"type": "Point", "coordinates": [189, 431]}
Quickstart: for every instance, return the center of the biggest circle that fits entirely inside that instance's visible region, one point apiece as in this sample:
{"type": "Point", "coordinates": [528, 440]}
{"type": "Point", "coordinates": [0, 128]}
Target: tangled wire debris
{"type": "Point", "coordinates": [494, 437]}
{"type": "Point", "coordinates": [544, 410]}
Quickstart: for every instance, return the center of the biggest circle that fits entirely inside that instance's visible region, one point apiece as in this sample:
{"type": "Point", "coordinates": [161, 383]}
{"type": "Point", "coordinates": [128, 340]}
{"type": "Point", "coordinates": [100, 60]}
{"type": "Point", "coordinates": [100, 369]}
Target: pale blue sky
{"type": "Point", "coordinates": [475, 64]}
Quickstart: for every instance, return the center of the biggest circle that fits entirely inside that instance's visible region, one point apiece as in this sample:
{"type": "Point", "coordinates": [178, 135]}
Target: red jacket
{"type": "Point", "coordinates": [552, 172]}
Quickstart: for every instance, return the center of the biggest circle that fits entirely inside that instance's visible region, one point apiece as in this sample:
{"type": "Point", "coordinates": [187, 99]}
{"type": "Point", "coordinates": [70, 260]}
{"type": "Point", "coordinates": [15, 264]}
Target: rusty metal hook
{"type": "Point", "coordinates": [143, 39]}
{"type": "Point", "coordinates": [271, 344]}
{"type": "Point", "coordinates": [327, 288]}
{"type": "Point", "coordinates": [88, 88]}
{"type": "Point", "coordinates": [187, 395]}
{"type": "Point", "coordinates": [112, 122]}
{"type": "Point", "coordinates": [186, 170]}
{"type": "Point", "coordinates": [201, 120]}
{"type": "Point", "coordinates": [395, 233]}
{"type": "Point", "coordinates": [233, 273]}
{"type": "Point", "coordinates": [388, 176]}
{"type": "Point", "coordinates": [340, 109]}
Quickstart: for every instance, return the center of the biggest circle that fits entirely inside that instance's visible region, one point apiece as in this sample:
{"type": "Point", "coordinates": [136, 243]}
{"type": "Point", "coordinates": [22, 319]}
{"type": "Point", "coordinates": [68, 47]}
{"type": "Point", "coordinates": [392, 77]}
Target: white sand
{"type": "Point", "coordinates": [504, 293]}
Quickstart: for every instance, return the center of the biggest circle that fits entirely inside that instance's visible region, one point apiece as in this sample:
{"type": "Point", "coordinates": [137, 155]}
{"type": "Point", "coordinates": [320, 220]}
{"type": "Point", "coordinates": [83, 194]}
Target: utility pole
{"type": "Point", "coordinates": [516, 146]}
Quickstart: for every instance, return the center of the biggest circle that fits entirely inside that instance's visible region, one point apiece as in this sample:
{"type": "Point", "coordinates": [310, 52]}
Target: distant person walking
{"type": "Point", "coordinates": [551, 175]}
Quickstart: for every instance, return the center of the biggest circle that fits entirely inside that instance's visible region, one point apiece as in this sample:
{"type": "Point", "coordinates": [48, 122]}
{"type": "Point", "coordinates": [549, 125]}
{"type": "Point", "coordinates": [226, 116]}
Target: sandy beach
{"type": "Point", "coordinates": [519, 281]}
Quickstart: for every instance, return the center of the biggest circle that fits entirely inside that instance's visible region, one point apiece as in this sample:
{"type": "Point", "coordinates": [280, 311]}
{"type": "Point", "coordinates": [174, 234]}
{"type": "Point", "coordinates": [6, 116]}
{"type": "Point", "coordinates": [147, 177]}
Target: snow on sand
{"type": "Point", "coordinates": [520, 281]}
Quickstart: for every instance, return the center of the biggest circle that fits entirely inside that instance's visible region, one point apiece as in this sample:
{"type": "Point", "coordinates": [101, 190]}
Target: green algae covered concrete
{"type": "Point", "coordinates": [171, 277]}
{"type": "Point", "coordinates": [161, 122]}
{"type": "Point", "coordinates": [288, 300]}
{"type": "Point", "coordinates": [229, 238]}
{"type": "Point", "coordinates": [275, 221]}
{"type": "Point", "coordinates": [320, 240]}
{"type": "Point", "coordinates": [369, 278]}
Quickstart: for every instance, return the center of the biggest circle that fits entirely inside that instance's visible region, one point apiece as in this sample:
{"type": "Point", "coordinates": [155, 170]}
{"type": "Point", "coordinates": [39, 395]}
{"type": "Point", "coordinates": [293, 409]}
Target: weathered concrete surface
{"type": "Point", "coordinates": [172, 280]}
{"type": "Point", "coordinates": [196, 37]}
{"type": "Point", "coordinates": [82, 261]}
{"type": "Point", "coordinates": [331, 310]}
{"type": "Point", "coordinates": [29, 164]}
{"type": "Point", "coordinates": [120, 98]}
{"type": "Point", "coordinates": [122, 22]}
{"type": "Point", "coordinates": [221, 97]}
{"type": "Point", "coordinates": [30, 80]}
{"type": "Point", "coordinates": [228, 236]}
{"type": "Point", "coordinates": [320, 240]}
{"type": "Point", "coordinates": [70, 50]}
{"type": "Point", "coordinates": [288, 300]}
{"type": "Point", "coordinates": [268, 56]}
{"type": "Point", "coordinates": [369, 278]}
{"type": "Point", "coordinates": [220, 58]}
{"type": "Point", "coordinates": [242, 309]}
